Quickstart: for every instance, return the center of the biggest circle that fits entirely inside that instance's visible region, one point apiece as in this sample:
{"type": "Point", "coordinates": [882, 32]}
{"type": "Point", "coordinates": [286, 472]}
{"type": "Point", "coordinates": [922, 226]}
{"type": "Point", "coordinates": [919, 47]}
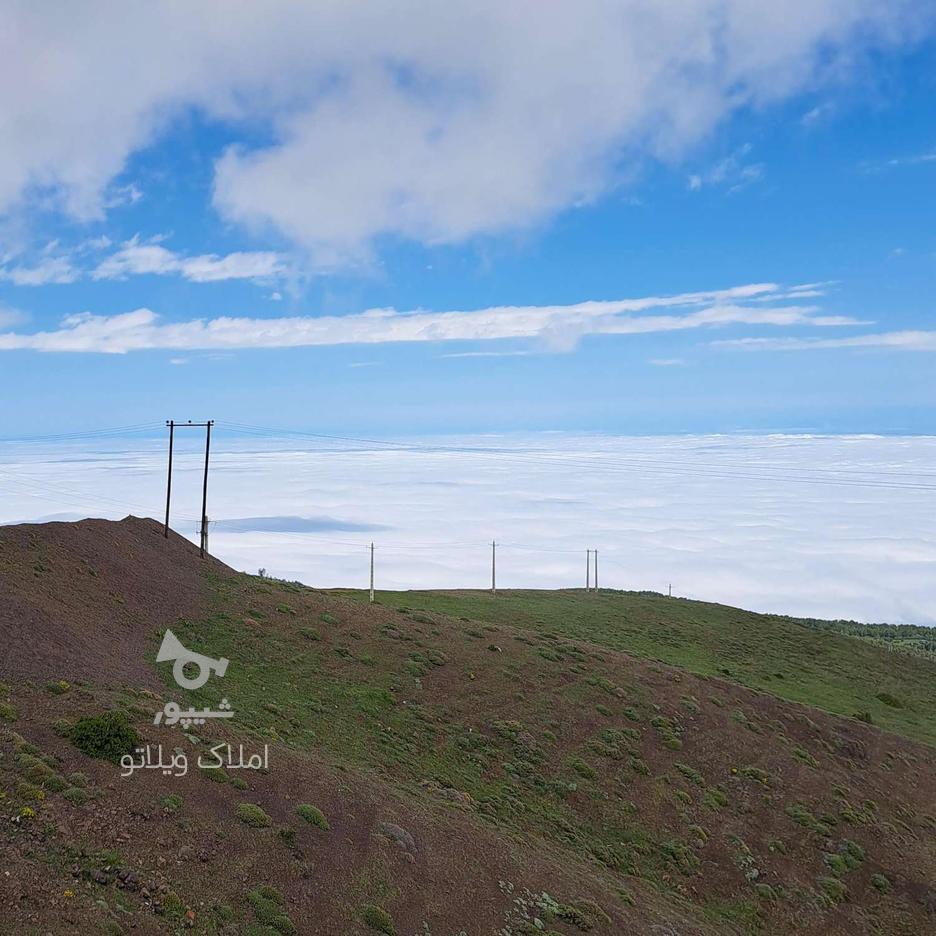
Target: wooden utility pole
{"type": "Point", "coordinates": [371, 573]}
{"type": "Point", "coordinates": [587, 570]}
{"type": "Point", "coordinates": [493, 567]}
{"type": "Point", "coordinates": [203, 547]}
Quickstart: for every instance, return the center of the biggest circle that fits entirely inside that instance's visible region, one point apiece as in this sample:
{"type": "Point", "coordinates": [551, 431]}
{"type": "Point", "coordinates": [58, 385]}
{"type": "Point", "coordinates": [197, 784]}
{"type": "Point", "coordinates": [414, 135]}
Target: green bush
{"type": "Point", "coordinates": [312, 815]}
{"type": "Point", "coordinates": [107, 736]}
{"type": "Point", "coordinates": [377, 918]}
{"type": "Point", "coordinates": [833, 889]}
{"type": "Point", "coordinates": [252, 815]}
{"type": "Point", "coordinates": [75, 795]}
{"type": "Point", "coordinates": [267, 905]}
{"type": "Point", "coordinates": [7, 712]}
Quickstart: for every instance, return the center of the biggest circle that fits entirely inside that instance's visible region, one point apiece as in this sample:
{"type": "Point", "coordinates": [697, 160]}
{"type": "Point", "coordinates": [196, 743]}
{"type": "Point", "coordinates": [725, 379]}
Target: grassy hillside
{"type": "Point", "coordinates": [428, 775]}
{"type": "Point", "coordinates": [835, 672]}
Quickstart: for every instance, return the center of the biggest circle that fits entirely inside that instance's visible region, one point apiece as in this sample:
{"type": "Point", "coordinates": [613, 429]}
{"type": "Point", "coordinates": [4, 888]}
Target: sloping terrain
{"type": "Point", "coordinates": [467, 777]}
{"type": "Point", "coordinates": [803, 661]}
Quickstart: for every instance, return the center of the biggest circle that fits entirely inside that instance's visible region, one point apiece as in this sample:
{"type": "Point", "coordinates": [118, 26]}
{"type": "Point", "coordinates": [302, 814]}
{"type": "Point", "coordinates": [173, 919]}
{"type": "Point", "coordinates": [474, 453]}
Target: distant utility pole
{"type": "Point", "coordinates": [596, 570]}
{"type": "Point", "coordinates": [493, 567]}
{"type": "Point", "coordinates": [587, 570]}
{"type": "Point", "coordinates": [371, 573]}
{"type": "Point", "coordinates": [670, 594]}
{"type": "Point", "coordinates": [203, 547]}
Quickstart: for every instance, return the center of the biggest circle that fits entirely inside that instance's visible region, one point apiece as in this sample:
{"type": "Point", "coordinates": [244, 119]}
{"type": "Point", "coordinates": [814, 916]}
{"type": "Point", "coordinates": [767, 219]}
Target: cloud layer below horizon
{"type": "Point", "coordinates": [738, 520]}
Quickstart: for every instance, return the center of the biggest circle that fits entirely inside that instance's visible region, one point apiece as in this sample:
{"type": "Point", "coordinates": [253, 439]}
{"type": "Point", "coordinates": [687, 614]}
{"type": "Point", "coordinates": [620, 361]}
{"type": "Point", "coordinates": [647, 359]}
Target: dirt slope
{"type": "Point", "coordinates": [475, 777]}
{"type": "Point", "coordinates": [81, 601]}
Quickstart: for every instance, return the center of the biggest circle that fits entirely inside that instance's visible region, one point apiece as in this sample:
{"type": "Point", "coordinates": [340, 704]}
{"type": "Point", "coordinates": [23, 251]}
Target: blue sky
{"type": "Point", "coordinates": [433, 163]}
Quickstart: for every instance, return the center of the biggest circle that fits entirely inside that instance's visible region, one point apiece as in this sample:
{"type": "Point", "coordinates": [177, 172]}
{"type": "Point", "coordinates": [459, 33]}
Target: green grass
{"type": "Point", "coordinates": [800, 661]}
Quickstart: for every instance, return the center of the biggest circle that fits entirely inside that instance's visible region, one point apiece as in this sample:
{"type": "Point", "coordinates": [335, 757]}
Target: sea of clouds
{"type": "Point", "coordinates": [825, 526]}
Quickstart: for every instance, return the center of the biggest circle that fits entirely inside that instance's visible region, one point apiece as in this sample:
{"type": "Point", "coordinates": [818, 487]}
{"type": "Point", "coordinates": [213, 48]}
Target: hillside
{"type": "Point", "coordinates": [503, 776]}
{"type": "Point", "coordinates": [804, 661]}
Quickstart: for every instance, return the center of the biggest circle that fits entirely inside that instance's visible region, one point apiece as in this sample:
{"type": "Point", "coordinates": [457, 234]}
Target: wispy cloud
{"type": "Point", "coordinates": [897, 341]}
{"type": "Point", "coordinates": [734, 172]}
{"type": "Point", "coordinates": [557, 327]}
{"type": "Point", "coordinates": [136, 258]}
{"type": "Point", "coordinates": [50, 270]}
{"type": "Point", "coordinates": [667, 362]}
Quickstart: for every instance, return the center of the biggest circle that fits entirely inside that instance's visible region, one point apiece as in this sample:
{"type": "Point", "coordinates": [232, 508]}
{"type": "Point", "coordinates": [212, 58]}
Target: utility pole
{"type": "Point", "coordinates": [493, 567]}
{"type": "Point", "coordinates": [204, 504]}
{"type": "Point", "coordinates": [171, 426]}
{"type": "Point", "coordinates": [588, 570]}
{"type": "Point", "coordinates": [203, 532]}
{"type": "Point", "coordinates": [596, 570]}
{"type": "Point", "coordinates": [670, 595]}
{"type": "Point", "coordinates": [371, 573]}
{"type": "Point", "coordinates": [203, 547]}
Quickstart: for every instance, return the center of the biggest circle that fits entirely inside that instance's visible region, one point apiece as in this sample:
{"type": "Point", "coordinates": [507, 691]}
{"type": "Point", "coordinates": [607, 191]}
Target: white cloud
{"type": "Point", "coordinates": [49, 270]}
{"type": "Point", "coordinates": [136, 258]}
{"type": "Point", "coordinates": [437, 122]}
{"type": "Point", "coordinates": [557, 327]}
{"type": "Point", "coordinates": [706, 513]}
{"type": "Point", "coordinates": [896, 341]}
{"type": "Point", "coordinates": [667, 362]}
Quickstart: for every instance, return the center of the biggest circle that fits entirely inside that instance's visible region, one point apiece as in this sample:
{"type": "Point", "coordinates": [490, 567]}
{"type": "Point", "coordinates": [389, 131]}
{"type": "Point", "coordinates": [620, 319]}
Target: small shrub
{"type": "Point", "coordinates": [7, 712]}
{"type": "Point", "coordinates": [171, 803]}
{"type": "Point", "coordinates": [107, 736]}
{"type": "Point", "coordinates": [691, 774]}
{"type": "Point", "coordinates": [880, 883]}
{"type": "Point", "coordinates": [890, 700]}
{"type": "Point", "coordinates": [62, 727]}
{"type": "Point", "coordinates": [804, 755]}
{"type": "Point", "coordinates": [215, 774]}
{"type": "Point", "coordinates": [715, 798]}
{"type": "Point", "coordinates": [378, 919]}
{"type": "Point", "coordinates": [691, 704]}
{"type": "Point", "coordinates": [765, 892]}
{"type": "Point", "coordinates": [312, 815]}
{"type": "Point", "coordinates": [602, 709]}
{"type": "Point", "coordinates": [75, 795]}
{"type": "Point", "coordinates": [801, 815]}
{"type": "Point", "coordinates": [252, 815]}
{"type": "Point", "coordinates": [310, 633]}
{"type": "Point", "coordinates": [57, 687]}
{"type": "Point", "coordinates": [267, 905]}
{"type": "Point", "coordinates": [755, 773]}
{"type": "Point", "coordinates": [239, 783]}
{"type": "Point", "coordinates": [582, 768]}
{"type": "Point", "coordinates": [833, 889]}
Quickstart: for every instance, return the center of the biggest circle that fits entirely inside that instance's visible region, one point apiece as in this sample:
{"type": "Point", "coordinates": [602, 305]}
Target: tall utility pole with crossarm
{"type": "Point", "coordinates": [203, 545]}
